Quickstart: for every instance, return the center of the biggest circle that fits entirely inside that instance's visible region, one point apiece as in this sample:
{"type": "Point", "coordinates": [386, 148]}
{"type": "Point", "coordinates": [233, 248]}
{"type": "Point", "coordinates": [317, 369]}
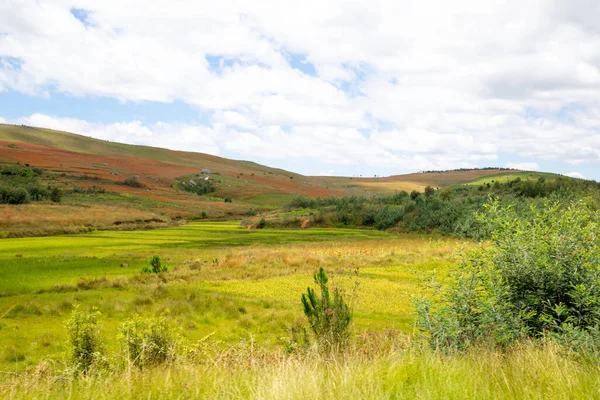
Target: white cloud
{"type": "Point", "coordinates": [575, 175]}
{"type": "Point", "coordinates": [525, 166]}
{"type": "Point", "coordinates": [327, 172]}
{"type": "Point", "coordinates": [413, 85]}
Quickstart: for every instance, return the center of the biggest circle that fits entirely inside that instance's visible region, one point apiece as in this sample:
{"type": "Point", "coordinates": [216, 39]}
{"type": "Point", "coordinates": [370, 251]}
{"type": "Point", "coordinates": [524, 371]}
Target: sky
{"type": "Point", "coordinates": [378, 87]}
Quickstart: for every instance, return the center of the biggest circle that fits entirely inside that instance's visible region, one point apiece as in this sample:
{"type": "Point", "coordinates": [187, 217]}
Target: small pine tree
{"type": "Point", "coordinates": [156, 266]}
{"type": "Point", "coordinates": [329, 318]}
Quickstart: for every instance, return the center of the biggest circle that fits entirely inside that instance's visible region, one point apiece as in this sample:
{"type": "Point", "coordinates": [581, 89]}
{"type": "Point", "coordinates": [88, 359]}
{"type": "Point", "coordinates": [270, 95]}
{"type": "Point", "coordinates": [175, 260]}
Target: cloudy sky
{"type": "Point", "coordinates": [319, 87]}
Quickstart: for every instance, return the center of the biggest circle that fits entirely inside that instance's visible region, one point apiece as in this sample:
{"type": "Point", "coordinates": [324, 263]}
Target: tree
{"type": "Point", "coordinates": [329, 318]}
{"type": "Point", "coordinates": [156, 266]}
{"type": "Point", "coordinates": [446, 194]}
{"type": "Point", "coordinates": [429, 191]}
{"type": "Point", "coordinates": [414, 194]}
{"type": "Point", "coordinates": [539, 277]}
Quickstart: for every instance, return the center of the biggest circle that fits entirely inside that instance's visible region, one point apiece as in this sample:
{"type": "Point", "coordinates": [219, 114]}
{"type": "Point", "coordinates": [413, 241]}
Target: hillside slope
{"type": "Point", "coordinates": [92, 173]}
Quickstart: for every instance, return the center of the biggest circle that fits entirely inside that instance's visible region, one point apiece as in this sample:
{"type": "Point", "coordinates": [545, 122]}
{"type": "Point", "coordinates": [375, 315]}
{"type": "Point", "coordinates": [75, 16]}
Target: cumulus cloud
{"type": "Point", "coordinates": [525, 166]}
{"type": "Point", "coordinates": [412, 85]}
{"type": "Point", "coordinates": [575, 175]}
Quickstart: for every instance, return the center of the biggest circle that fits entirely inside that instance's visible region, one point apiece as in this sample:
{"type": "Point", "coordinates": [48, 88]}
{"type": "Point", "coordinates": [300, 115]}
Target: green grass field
{"type": "Point", "coordinates": [509, 176]}
{"type": "Point", "coordinates": [241, 288]}
{"type": "Point", "coordinates": [216, 270]}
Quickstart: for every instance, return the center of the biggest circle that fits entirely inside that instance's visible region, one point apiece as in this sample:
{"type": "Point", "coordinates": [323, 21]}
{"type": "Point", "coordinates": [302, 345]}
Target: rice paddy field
{"type": "Point", "coordinates": [234, 293]}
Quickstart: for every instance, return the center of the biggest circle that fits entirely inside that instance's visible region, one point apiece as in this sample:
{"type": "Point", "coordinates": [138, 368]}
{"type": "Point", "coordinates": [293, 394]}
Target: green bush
{"type": "Point", "coordinates": [133, 182]}
{"type": "Point", "coordinates": [16, 195]}
{"type": "Point", "coordinates": [539, 277]}
{"type": "Point", "coordinates": [199, 187]}
{"type": "Point", "coordinates": [36, 192]}
{"type": "Point", "coordinates": [85, 347]}
{"type": "Point", "coordinates": [328, 318]}
{"type": "Point", "coordinates": [228, 200]}
{"type": "Point", "coordinates": [55, 194]}
{"type": "Point", "coordinates": [148, 342]}
{"type": "Point", "coordinates": [156, 266]}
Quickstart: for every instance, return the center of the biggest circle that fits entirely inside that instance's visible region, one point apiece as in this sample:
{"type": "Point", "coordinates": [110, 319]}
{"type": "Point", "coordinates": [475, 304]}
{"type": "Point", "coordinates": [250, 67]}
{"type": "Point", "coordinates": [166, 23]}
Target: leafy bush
{"type": "Point", "coordinates": [16, 195]}
{"type": "Point", "coordinates": [156, 266]}
{"type": "Point", "coordinates": [199, 187]}
{"type": "Point", "coordinates": [540, 277]}
{"type": "Point", "coordinates": [133, 182]}
{"type": "Point", "coordinates": [85, 347]}
{"type": "Point", "coordinates": [148, 342]}
{"type": "Point", "coordinates": [329, 318]}
{"type": "Point", "coordinates": [55, 194]}
{"type": "Point", "coordinates": [228, 200]}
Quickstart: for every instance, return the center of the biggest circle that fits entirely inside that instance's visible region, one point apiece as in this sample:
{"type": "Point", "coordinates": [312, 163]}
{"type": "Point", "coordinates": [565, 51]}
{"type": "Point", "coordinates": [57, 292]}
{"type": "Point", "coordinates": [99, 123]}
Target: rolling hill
{"type": "Point", "coordinates": [92, 172]}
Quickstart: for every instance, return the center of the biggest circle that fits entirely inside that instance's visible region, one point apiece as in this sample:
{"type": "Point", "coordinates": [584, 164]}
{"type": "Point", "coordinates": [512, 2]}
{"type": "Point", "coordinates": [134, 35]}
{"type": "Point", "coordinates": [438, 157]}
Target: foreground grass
{"type": "Point", "coordinates": [241, 288]}
{"type": "Point", "coordinates": [527, 371]}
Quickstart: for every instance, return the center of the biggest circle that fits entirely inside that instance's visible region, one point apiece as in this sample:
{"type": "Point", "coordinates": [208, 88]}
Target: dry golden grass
{"type": "Point", "coordinates": [48, 219]}
{"type": "Point", "coordinates": [392, 186]}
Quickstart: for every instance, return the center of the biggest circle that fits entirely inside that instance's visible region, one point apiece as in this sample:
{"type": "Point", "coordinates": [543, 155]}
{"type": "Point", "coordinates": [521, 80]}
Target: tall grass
{"type": "Point", "coordinates": [527, 371]}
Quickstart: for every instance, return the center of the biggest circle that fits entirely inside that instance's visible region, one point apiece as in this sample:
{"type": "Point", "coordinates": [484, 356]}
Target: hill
{"type": "Point", "coordinates": [92, 172]}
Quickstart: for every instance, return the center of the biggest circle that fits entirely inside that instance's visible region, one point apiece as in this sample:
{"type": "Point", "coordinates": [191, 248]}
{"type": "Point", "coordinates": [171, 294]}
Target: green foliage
{"type": "Point", "coordinates": [55, 194]}
{"type": "Point", "coordinates": [449, 211]}
{"type": "Point", "coordinates": [148, 342]}
{"type": "Point", "coordinates": [85, 347]}
{"type": "Point", "coordinates": [156, 266]}
{"type": "Point", "coordinates": [228, 200]}
{"type": "Point", "coordinates": [16, 195]}
{"type": "Point", "coordinates": [329, 318]}
{"type": "Point", "coordinates": [19, 185]}
{"type": "Point", "coordinates": [199, 187]}
{"type": "Point", "coordinates": [387, 217]}
{"type": "Point", "coordinates": [540, 277]}
{"type": "Point", "coordinates": [94, 189]}
{"type": "Point", "coordinates": [133, 182]}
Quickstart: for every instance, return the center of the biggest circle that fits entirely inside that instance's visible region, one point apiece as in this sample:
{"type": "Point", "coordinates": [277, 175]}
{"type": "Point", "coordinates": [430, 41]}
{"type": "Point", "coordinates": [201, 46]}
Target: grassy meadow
{"type": "Point", "coordinates": [222, 278]}
{"type": "Point", "coordinates": [232, 294]}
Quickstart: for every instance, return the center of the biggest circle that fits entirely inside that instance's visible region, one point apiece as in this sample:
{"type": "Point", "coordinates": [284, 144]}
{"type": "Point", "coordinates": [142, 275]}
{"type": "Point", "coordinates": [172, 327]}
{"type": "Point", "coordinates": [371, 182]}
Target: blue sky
{"type": "Point", "coordinates": [339, 88]}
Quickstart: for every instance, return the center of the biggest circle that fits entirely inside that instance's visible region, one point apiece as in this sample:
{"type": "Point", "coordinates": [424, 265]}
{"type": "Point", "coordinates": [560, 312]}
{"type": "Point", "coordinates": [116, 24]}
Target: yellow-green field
{"type": "Point", "coordinates": [509, 176]}
{"type": "Point", "coordinates": [222, 278]}
{"type": "Point", "coordinates": [232, 294]}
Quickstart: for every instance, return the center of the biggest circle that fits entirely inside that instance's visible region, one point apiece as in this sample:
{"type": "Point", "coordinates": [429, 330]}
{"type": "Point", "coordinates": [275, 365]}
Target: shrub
{"type": "Point", "coordinates": [388, 217]}
{"type": "Point", "coordinates": [133, 182]}
{"type": "Point", "coordinates": [540, 277]}
{"type": "Point", "coordinates": [148, 342]}
{"type": "Point", "coordinates": [55, 194]}
{"type": "Point", "coordinates": [17, 195]}
{"type": "Point", "coordinates": [328, 318]}
{"type": "Point", "coordinates": [37, 193]}
{"type": "Point", "coordinates": [199, 187]}
{"type": "Point", "coordinates": [228, 200]}
{"type": "Point", "coordinates": [85, 347]}
{"type": "Point", "coordinates": [156, 266]}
